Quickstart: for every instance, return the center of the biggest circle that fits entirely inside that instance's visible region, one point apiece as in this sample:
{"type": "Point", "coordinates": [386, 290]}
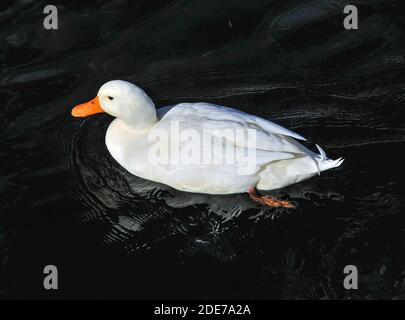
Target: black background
{"type": "Point", "coordinates": [65, 201]}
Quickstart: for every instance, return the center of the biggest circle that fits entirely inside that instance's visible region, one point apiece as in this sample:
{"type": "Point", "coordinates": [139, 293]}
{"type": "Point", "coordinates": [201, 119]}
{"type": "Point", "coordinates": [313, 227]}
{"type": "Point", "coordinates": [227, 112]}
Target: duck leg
{"type": "Point", "coordinates": [268, 200]}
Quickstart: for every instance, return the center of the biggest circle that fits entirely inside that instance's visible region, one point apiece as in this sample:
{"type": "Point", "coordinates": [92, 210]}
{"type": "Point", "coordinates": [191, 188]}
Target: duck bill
{"type": "Point", "coordinates": [87, 109]}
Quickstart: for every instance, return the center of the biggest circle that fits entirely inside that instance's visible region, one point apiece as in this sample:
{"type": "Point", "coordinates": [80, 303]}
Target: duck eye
{"type": "Point", "coordinates": [111, 98]}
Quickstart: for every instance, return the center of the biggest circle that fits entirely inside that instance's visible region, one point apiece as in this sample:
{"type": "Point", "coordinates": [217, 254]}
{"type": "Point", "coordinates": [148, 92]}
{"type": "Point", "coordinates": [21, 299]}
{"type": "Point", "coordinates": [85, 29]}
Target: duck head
{"type": "Point", "coordinates": [122, 100]}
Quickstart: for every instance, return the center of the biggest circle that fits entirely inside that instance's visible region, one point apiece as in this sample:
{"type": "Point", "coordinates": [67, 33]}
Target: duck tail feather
{"type": "Point", "coordinates": [324, 163]}
{"type": "Point", "coordinates": [322, 153]}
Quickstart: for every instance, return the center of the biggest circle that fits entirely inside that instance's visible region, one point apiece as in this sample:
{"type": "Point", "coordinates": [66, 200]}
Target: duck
{"type": "Point", "coordinates": [254, 155]}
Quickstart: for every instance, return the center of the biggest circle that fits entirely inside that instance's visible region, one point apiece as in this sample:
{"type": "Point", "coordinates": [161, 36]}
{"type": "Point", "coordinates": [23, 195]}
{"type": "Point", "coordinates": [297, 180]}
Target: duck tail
{"type": "Point", "coordinates": [324, 163]}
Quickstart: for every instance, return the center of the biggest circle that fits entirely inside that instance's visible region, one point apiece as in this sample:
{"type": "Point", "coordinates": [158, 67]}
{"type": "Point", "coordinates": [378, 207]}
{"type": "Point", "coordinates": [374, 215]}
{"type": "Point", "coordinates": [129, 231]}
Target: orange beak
{"type": "Point", "coordinates": [88, 108]}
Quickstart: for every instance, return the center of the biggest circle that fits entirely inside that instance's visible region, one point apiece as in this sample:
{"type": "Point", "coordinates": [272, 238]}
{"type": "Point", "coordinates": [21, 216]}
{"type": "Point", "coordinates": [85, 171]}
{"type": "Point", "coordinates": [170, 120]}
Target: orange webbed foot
{"type": "Point", "coordinates": [268, 200]}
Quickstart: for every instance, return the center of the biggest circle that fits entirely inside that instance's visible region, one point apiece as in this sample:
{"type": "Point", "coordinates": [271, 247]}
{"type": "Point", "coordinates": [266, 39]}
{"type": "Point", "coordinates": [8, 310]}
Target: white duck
{"type": "Point", "coordinates": [279, 159]}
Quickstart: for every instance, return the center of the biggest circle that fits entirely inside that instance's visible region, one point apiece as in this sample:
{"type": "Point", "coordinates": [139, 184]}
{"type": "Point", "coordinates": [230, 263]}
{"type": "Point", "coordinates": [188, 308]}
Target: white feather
{"type": "Point", "coordinates": [279, 159]}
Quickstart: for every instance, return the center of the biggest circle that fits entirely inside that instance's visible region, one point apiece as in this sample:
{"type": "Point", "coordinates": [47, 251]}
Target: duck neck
{"type": "Point", "coordinates": [144, 118]}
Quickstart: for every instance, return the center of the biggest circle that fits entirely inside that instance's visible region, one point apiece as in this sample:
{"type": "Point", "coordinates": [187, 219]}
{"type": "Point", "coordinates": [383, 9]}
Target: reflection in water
{"type": "Point", "coordinates": [64, 200]}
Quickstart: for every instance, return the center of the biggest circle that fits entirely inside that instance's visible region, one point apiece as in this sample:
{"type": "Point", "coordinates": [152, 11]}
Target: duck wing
{"type": "Point", "coordinates": [215, 119]}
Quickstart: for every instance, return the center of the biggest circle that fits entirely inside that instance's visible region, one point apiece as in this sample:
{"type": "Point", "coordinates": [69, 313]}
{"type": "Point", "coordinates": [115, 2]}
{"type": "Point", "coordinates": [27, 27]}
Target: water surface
{"type": "Point", "coordinates": [65, 201]}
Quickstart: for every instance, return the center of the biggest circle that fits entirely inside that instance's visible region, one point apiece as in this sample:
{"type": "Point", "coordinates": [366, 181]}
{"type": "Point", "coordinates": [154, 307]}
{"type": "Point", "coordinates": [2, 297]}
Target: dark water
{"type": "Point", "coordinates": [65, 201]}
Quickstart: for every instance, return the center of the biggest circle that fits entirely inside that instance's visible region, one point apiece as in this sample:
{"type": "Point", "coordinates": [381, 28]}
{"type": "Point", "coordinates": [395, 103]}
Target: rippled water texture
{"type": "Point", "coordinates": [65, 201]}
